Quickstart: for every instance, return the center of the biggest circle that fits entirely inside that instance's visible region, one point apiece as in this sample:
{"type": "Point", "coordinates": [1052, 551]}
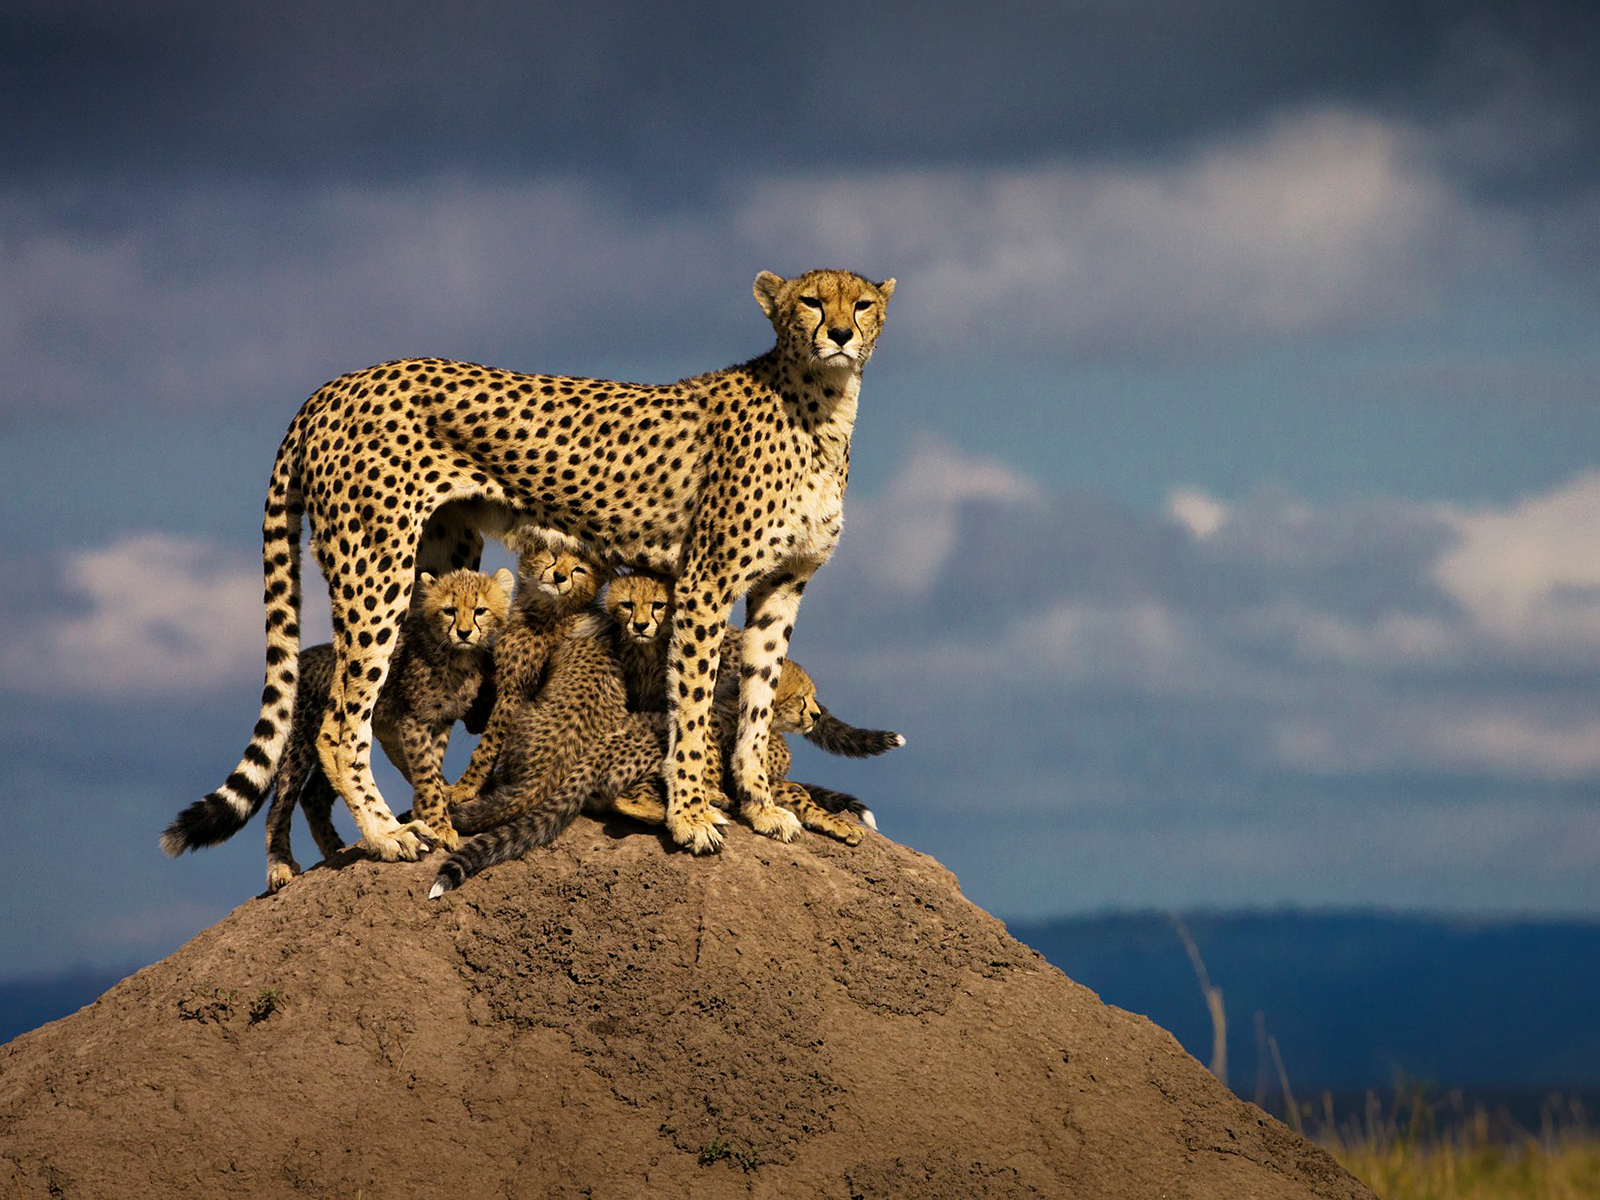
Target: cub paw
{"type": "Point", "coordinates": [406, 843]}
{"type": "Point", "coordinates": [435, 828]}
{"type": "Point", "coordinates": [279, 874]}
{"type": "Point", "coordinates": [441, 833]}
{"type": "Point", "coordinates": [773, 821]}
{"type": "Point", "coordinates": [846, 831]}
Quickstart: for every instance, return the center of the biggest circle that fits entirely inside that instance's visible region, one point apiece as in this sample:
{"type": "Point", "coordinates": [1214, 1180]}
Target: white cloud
{"type": "Point", "coordinates": [911, 524]}
{"type": "Point", "coordinates": [166, 305]}
{"type": "Point", "coordinates": [1458, 734]}
{"type": "Point", "coordinates": [1529, 573]}
{"type": "Point", "coordinates": [1200, 514]}
{"type": "Point", "coordinates": [1340, 641]}
{"type": "Point", "coordinates": [156, 615]}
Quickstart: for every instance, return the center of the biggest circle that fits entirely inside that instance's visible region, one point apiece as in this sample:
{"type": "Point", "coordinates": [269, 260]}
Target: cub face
{"type": "Point", "coordinates": [465, 608]}
{"type": "Point", "coordinates": [557, 575]}
{"type": "Point", "coordinates": [794, 704]}
{"type": "Point", "coordinates": [640, 605]}
{"type": "Point", "coordinates": [830, 319]}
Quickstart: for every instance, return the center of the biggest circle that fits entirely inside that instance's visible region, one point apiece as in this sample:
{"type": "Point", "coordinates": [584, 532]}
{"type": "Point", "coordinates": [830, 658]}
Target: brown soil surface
{"type": "Point", "coordinates": [613, 1018]}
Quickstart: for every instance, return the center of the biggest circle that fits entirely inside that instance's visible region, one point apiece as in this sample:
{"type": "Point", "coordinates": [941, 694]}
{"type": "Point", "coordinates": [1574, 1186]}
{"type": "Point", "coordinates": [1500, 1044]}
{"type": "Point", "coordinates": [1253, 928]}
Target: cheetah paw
{"type": "Point", "coordinates": [405, 843]}
{"type": "Point", "coordinates": [279, 874]}
{"type": "Point", "coordinates": [439, 832]}
{"type": "Point", "coordinates": [847, 832]}
{"type": "Point", "coordinates": [773, 821]}
{"type": "Point", "coordinates": [697, 831]}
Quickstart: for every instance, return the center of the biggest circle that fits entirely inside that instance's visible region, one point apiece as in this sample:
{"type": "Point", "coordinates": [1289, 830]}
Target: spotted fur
{"type": "Point", "coordinates": [620, 772]}
{"type": "Point", "coordinates": [554, 590]}
{"type": "Point", "coordinates": [439, 668]}
{"type": "Point", "coordinates": [582, 699]}
{"type": "Point", "coordinates": [731, 482]}
{"type": "Point", "coordinates": [640, 609]}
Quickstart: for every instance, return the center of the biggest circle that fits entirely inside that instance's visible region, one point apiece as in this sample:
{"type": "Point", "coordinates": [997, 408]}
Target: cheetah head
{"type": "Point", "coordinates": [828, 319]}
{"type": "Point", "coordinates": [545, 574]}
{"type": "Point", "coordinates": [639, 604]}
{"type": "Point", "coordinates": [465, 608]}
{"type": "Point", "coordinates": [794, 703]}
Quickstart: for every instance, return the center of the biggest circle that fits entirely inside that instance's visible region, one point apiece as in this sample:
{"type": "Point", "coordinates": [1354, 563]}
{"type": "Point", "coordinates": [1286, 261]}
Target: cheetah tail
{"type": "Point", "coordinates": [837, 737]}
{"type": "Point", "coordinates": [537, 826]}
{"type": "Point", "coordinates": [225, 811]}
{"type": "Point", "coordinates": [837, 802]}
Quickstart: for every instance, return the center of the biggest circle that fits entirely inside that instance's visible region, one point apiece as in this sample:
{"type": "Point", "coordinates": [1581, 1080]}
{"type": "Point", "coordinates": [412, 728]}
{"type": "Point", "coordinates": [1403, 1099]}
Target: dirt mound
{"type": "Point", "coordinates": [613, 1018]}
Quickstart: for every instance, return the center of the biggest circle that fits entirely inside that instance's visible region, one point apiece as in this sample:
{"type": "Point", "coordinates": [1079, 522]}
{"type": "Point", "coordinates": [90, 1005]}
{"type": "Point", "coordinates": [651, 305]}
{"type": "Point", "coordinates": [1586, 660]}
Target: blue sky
{"type": "Point", "coordinates": [1225, 518]}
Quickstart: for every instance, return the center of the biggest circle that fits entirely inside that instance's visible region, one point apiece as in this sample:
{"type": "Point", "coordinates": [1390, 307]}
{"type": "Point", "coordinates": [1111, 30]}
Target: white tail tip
{"type": "Point", "coordinates": [438, 889]}
{"type": "Point", "coordinates": [867, 819]}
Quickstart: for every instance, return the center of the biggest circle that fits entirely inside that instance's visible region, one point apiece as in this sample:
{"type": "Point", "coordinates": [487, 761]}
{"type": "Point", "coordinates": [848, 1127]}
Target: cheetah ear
{"type": "Point", "coordinates": [426, 578]}
{"type": "Point", "coordinates": [766, 291]}
{"type": "Point", "coordinates": [886, 288]}
{"type": "Point", "coordinates": [504, 580]}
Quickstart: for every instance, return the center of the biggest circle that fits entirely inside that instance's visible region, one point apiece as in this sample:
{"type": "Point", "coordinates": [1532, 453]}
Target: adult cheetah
{"type": "Point", "coordinates": [731, 482]}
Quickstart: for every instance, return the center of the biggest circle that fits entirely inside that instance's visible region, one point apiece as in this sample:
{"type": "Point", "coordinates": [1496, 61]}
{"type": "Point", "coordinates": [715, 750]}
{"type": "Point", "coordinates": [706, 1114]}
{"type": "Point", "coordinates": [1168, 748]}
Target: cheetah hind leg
{"type": "Point", "coordinates": [642, 802]}
{"type": "Point", "coordinates": [813, 816]}
{"type": "Point", "coordinates": [645, 802]}
{"type": "Point", "coordinates": [382, 836]}
{"type": "Point", "coordinates": [281, 866]}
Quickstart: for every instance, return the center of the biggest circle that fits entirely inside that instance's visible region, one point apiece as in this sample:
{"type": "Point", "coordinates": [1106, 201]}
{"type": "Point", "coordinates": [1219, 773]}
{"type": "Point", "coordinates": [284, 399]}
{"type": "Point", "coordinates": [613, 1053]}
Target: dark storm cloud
{"type": "Point", "coordinates": [406, 89]}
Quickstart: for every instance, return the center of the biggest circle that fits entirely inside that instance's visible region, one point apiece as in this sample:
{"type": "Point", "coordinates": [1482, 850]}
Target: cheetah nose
{"type": "Point", "coordinates": [840, 336]}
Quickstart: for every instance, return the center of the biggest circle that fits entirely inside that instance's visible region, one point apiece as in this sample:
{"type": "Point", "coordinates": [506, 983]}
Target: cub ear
{"type": "Point", "coordinates": [766, 291]}
{"type": "Point", "coordinates": [885, 289]}
{"type": "Point", "coordinates": [504, 580]}
{"type": "Point", "coordinates": [426, 578]}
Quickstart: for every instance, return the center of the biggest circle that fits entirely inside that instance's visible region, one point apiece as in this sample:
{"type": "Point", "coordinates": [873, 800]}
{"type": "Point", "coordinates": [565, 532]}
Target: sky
{"type": "Point", "coordinates": [1224, 523]}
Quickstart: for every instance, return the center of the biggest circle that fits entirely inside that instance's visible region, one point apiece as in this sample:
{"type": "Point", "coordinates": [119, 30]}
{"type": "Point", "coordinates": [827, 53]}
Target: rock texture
{"type": "Point", "coordinates": [613, 1018]}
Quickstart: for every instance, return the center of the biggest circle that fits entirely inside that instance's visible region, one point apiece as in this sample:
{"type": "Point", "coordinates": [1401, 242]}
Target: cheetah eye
{"type": "Point", "coordinates": [863, 305]}
{"type": "Point", "coordinates": [811, 302]}
{"type": "Point", "coordinates": [657, 605]}
{"type": "Point", "coordinates": [449, 610]}
{"type": "Point", "coordinates": [479, 611]}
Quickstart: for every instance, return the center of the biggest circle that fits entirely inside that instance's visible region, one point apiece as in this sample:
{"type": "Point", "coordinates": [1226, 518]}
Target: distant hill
{"type": "Point", "coordinates": [1357, 1000]}
{"type": "Point", "coordinates": [26, 1002]}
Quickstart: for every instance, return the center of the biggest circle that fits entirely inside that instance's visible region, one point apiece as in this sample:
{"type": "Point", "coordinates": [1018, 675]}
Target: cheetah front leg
{"type": "Point", "coordinates": [423, 746]}
{"type": "Point", "coordinates": [770, 610]}
{"type": "Point", "coordinates": [699, 615]}
{"type": "Point", "coordinates": [813, 816]}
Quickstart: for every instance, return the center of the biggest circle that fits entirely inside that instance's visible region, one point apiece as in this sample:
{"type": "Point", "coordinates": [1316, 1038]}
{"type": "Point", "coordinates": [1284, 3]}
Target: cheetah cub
{"type": "Point", "coordinates": [585, 694]}
{"type": "Point", "coordinates": [439, 667]}
{"type": "Point", "coordinates": [623, 770]}
{"type": "Point", "coordinates": [555, 587]}
{"type": "Point", "coordinates": [639, 608]}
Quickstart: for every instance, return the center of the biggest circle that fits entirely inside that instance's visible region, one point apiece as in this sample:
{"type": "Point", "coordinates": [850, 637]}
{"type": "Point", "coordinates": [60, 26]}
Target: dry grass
{"type": "Point", "coordinates": [1416, 1149]}
{"type": "Point", "coordinates": [1408, 1153]}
